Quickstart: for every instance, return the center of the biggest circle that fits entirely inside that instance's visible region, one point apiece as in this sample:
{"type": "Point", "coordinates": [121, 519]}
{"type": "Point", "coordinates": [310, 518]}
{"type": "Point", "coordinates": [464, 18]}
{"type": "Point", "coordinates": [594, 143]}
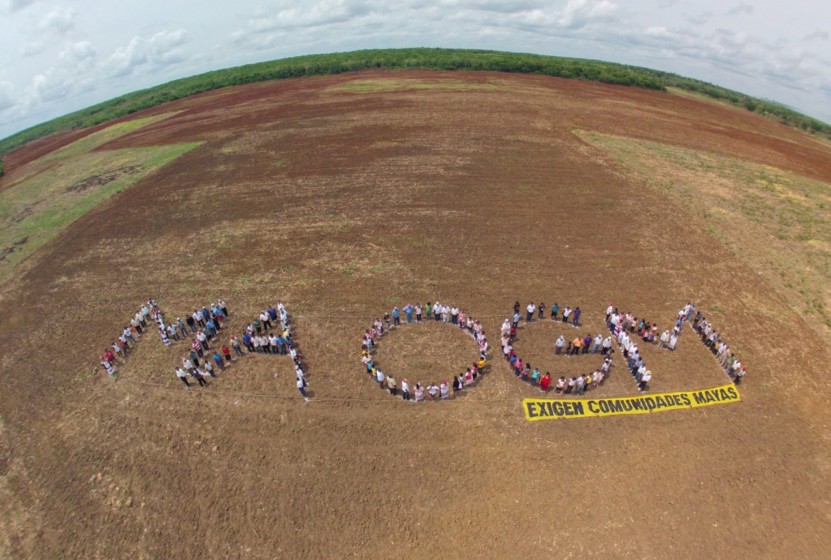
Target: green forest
{"type": "Point", "coordinates": [422, 58]}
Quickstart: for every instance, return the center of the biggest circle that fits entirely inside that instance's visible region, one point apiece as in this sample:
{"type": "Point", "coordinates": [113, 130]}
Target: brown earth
{"type": "Point", "coordinates": [342, 204]}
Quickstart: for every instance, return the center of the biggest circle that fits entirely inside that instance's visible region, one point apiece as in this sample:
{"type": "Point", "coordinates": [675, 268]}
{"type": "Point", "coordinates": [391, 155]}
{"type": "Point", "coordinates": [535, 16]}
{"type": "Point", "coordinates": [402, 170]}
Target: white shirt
{"type": "Point", "coordinates": [530, 308]}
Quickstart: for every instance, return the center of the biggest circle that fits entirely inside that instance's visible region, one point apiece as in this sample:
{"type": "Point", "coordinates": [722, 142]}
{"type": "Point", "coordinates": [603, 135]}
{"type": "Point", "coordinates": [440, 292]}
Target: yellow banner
{"type": "Point", "coordinates": [551, 409]}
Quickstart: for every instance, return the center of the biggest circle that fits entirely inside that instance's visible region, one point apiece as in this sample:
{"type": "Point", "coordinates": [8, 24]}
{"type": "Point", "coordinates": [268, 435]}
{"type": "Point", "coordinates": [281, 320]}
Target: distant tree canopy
{"type": "Point", "coordinates": [430, 59]}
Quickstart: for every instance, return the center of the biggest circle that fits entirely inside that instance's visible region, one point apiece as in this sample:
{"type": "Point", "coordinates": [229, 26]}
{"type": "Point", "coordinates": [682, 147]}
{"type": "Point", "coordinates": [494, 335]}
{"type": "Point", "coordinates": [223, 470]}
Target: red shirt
{"type": "Point", "coordinates": [546, 381]}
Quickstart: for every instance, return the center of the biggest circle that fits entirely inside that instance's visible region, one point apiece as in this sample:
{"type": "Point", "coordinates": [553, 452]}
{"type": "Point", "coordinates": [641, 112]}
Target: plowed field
{"type": "Point", "coordinates": [342, 196]}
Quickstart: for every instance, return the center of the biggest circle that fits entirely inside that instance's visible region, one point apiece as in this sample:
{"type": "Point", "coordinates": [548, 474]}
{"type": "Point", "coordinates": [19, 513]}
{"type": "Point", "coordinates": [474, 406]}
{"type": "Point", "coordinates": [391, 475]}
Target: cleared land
{"type": "Point", "coordinates": [39, 201]}
{"type": "Point", "coordinates": [775, 221]}
{"type": "Point", "coordinates": [344, 200]}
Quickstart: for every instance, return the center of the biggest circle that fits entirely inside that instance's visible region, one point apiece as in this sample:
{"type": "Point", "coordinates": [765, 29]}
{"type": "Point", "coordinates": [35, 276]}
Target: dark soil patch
{"type": "Point", "coordinates": [104, 178]}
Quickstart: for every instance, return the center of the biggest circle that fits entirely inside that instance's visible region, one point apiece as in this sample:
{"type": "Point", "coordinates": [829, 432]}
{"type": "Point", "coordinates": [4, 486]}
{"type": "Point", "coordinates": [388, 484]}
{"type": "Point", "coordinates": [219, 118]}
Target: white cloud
{"type": "Point", "coordinates": [497, 6]}
{"type": "Point", "coordinates": [140, 43]}
{"type": "Point", "coordinates": [818, 34]}
{"type": "Point", "coordinates": [7, 99]}
{"type": "Point", "coordinates": [743, 8]}
{"type": "Point", "coordinates": [17, 5]}
{"type": "Point", "coordinates": [303, 15]}
{"type": "Point", "coordinates": [579, 13]}
{"type": "Point", "coordinates": [33, 48]}
{"type": "Point", "coordinates": [59, 20]}
{"type": "Point", "coordinates": [79, 56]}
{"type": "Point", "coordinates": [160, 50]}
{"type": "Point", "coordinates": [50, 86]}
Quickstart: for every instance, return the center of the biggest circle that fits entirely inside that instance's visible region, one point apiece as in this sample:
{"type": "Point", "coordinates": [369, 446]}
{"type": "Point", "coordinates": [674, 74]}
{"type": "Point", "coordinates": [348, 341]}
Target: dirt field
{"type": "Point", "coordinates": [343, 200]}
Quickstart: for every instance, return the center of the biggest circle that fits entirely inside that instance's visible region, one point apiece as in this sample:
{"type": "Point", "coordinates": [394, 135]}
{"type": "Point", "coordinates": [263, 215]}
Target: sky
{"type": "Point", "coordinates": [58, 56]}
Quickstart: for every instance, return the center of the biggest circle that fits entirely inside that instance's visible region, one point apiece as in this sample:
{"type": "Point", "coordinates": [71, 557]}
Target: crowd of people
{"type": "Point", "coordinates": [538, 311]}
{"type": "Point", "coordinates": [629, 330]}
{"type": "Point", "coordinates": [416, 313]}
{"type": "Point", "coordinates": [138, 325]}
{"type": "Point", "coordinates": [269, 333]}
{"type": "Point", "coordinates": [524, 371]}
{"type": "Point", "coordinates": [713, 340]}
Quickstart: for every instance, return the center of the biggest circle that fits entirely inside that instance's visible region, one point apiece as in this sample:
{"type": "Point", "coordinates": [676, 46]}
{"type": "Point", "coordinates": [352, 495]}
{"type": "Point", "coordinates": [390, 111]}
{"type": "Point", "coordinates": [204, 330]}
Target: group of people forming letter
{"type": "Point", "coordinates": [417, 313]}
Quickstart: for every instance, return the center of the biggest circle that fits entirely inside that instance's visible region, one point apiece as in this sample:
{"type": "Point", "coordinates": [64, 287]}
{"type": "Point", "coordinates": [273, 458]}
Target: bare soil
{"type": "Point", "coordinates": [341, 203]}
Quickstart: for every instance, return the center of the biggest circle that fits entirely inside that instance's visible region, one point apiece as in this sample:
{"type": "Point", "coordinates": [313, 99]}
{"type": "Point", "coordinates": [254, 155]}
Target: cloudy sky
{"type": "Point", "coordinates": [57, 56]}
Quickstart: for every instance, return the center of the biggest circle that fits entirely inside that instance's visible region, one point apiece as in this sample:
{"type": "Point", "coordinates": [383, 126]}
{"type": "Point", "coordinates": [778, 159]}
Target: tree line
{"type": "Point", "coordinates": [391, 59]}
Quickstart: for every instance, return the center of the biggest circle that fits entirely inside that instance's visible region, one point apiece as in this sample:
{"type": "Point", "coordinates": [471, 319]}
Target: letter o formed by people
{"type": "Point", "coordinates": [452, 317]}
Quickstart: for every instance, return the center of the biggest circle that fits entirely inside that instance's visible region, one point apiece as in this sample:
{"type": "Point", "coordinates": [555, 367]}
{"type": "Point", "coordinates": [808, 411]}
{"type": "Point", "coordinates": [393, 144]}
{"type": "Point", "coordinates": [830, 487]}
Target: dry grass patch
{"type": "Point", "coordinates": [777, 221]}
{"type": "Point", "coordinates": [384, 85]}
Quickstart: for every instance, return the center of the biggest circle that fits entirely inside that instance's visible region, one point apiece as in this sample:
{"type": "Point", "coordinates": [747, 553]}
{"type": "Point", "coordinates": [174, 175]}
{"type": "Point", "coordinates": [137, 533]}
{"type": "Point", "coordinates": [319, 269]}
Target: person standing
{"type": "Point", "coordinates": [391, 385]}
{"type": "Point", "coordinates": [182, 374]}
{"type": "Point", "coordinates": [197, 374]}
{"type": "Point", "coordinates": [235, 344]}
{"type": "Point", "coordinates": [396, 316]}
{"type": "Point", "coordinates": [108, 366]}
{"type": "Point", "coordinates": [576, 345]}
{"type": "Point", "coordinates": [405, 389]}
{"type": "Point", "coordinates": [645, 379]}
{"type": "Point", "coordinates": [545, 382]}
{"type": "Point", "coordinates": [529, 312]}
{"type": "Point", "coordinates": [301, 386]}
{"type": "Point", "coordinates": [219, 361]}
